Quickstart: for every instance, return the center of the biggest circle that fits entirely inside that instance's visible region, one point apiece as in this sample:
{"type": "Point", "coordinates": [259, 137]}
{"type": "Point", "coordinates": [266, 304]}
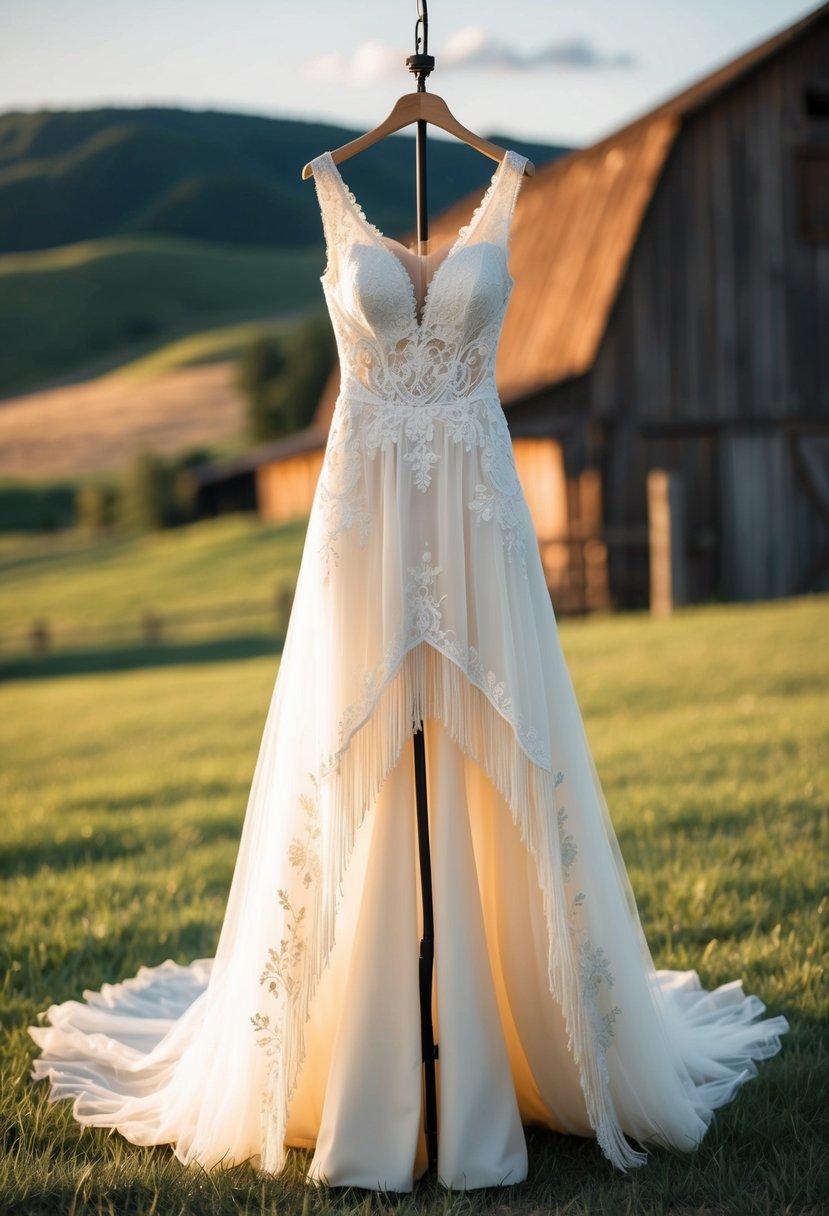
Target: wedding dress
{"type": "Point", "coordinates": [420, 596]}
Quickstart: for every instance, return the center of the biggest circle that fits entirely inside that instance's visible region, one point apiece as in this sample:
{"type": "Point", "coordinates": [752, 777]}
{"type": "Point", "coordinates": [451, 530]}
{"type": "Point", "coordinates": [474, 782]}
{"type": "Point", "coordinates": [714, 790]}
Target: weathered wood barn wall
{"type": "Point", "coordinates": [714, 359]}
{"type": "Point", "coordinates": [671, 311]}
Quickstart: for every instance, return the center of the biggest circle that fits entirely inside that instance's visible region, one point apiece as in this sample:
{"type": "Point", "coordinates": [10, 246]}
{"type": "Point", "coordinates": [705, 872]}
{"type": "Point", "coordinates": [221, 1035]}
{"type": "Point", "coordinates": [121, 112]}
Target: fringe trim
{"type": "Point", "coordinates": [428, 684]}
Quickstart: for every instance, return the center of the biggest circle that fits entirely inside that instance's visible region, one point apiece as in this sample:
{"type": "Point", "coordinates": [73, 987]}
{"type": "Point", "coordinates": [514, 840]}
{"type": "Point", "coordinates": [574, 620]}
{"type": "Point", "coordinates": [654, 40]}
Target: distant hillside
{"type": "Point", "coordinates": [76, 311]}
{"type": "Point", "coordinates": [70, 176]}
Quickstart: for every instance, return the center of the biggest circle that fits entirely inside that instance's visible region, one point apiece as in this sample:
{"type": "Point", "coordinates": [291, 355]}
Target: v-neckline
{"type": "Point", "coordinates": [457, 243]}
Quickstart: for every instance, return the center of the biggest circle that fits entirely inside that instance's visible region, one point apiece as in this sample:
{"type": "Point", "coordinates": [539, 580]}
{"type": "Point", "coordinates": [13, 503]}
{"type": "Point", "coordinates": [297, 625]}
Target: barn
{"type": "Point", "coordinates": [664, 364]}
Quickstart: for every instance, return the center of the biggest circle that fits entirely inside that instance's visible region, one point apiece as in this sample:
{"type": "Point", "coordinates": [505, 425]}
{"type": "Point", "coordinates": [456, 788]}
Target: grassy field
{"type": "Point", "coordinates": [77, 308]}
{"type": "Point", "coordinates": [217, 345]}
{"type": "Point", "coordinates": [204, 580]}
{"type": "Point", "coordinates": [122, 798]}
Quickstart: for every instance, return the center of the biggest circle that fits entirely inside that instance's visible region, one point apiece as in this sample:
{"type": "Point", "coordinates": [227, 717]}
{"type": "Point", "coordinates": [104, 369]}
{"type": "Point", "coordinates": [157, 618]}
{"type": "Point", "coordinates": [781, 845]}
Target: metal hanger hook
{"type": "Point", "coordinates": [422, 23]}
{"type": "Point", "coordinates": [421, 63]}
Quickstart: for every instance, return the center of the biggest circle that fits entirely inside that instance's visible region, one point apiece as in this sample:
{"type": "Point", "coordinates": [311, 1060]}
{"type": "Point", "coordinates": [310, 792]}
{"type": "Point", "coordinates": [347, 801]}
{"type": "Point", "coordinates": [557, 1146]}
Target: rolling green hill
{"type": "Point", "coordinates": [76, 308]}
{"type": "Point", "coordinates": [69, 176]}
{"type": "Point", "coordinates": [122, 230]}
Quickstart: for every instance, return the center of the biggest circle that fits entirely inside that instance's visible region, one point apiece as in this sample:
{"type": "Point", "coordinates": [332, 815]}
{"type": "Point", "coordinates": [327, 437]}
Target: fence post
{"type": "Point", "coordinates": [666, 541]}
{"type": "Point", "coordinates": [151, 626]}
{"type": "Point", "coordinates": [40, 636]}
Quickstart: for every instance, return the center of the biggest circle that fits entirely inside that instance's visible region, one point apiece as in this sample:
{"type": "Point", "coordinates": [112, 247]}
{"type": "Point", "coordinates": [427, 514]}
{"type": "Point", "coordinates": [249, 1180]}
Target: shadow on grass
{"type": "Point", "coordinates": [748, 1163]}
{"type": "Point", "coordinates": [95, 661]}
{"type": "Point", "coordinates": [102, 803]}
{"type": "Point", "coordinates": [108, 845]}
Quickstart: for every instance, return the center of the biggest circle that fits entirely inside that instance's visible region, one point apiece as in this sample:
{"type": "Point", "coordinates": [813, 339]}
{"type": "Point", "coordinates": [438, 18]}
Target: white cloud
{"type": "Point", "coordinates": [473, 47]}
{"type": "Point", "coordinates": [469, 49]}
{"type": "Point", "coordinates": [371, 61]}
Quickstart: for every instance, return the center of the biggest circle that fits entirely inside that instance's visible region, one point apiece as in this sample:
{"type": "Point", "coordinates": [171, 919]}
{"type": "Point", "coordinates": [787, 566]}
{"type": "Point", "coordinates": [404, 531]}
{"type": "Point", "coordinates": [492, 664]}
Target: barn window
{"type": "Point", "coordinates": [816, 98]}
{"type": "Point", "coordinates": [812, 193]}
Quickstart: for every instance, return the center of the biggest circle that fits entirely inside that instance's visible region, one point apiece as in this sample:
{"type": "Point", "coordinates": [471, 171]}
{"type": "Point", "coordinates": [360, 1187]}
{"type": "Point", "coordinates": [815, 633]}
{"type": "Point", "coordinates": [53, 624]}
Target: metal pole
{"type": "Point", "coordinates": [421, 65]}
{"type": "Point", "coordinates": [422, 192]}
{"type": "Point", "coordinates": [429, 1047]}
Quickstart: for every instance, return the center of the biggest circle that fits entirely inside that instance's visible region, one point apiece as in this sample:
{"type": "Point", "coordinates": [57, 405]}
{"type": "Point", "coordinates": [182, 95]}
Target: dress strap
{"type": "Point", "coordinates": [338, 222]}
{"type": "Point", "coordinates": [495, 223]}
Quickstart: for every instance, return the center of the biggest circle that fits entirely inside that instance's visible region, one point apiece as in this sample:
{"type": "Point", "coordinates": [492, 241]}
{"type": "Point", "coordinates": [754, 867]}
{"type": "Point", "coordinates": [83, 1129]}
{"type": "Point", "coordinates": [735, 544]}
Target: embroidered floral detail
{"type": "Point", "coordinates": [269, 1037]}
{"type": "Point", "coordinates": [421, 597]}
{"type": "Point", "coordinates": [483, 504]}
{"type": "Point", "coordinates": [412, 427]}
{"type": "Point", "coordinates": [282, 962]}
{"type": "Point", "coordinates": [594, 972]}
{"type": "Point", "coordinates": [302, 853]}
{"type": "Point", "coordinates": [503, 498]}
{"type": "Point", "coordinates": [423, 622]}
{"type": "Point", "coordinates": [341, 488]}
{"type": "Point", "coordinates": [477, 423]}
{"type": "Point", "coordinates": [281, 971]}
{"type": "Point", "coordinates": [595, 976]}
{"type": "Point", "coordinates": [569, 848]}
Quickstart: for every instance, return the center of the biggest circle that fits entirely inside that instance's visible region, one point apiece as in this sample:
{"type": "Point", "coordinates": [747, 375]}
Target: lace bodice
{"type": "Point", "coordinates": [387, 350]}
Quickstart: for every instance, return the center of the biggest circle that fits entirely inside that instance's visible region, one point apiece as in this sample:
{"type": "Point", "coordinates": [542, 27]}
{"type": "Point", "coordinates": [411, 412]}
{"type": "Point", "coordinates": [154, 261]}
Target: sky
{"type": "Point", "coordinates": [538, 69]}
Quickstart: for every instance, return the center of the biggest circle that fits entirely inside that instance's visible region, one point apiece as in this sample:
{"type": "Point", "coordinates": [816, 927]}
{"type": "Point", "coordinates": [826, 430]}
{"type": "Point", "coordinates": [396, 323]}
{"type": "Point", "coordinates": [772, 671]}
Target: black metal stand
{"type": "Point", "coordinates": [429, 1047]}
{"type": "Point", "coordinates": [421, 65]}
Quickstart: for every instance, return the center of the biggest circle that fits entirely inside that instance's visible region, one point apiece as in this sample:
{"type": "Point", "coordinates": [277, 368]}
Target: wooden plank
{"type": "Point", "coordinates": [724, 396]}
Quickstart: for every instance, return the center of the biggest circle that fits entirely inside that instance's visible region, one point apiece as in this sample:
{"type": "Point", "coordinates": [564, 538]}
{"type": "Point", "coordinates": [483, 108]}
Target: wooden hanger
{"type": "Point", "coordinates": [420, 107]}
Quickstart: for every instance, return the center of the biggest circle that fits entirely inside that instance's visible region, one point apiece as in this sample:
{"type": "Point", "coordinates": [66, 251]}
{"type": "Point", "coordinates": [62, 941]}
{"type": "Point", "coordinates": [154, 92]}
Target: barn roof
{"type": "Point", "coordinates": [574, 231]}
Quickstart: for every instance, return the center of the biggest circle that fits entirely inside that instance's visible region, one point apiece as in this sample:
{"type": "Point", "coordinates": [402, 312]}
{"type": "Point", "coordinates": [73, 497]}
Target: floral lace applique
{"type": "Point", "coordinates": [503, 498]}
{"type": "Point", "coordinates": [569, 848]}
{"type": "Point", "coordinates": [341, 489]}
{"type": "Point", "coordinates": [594, 973]}
{"type": "Point", "coordinates": [592, 961]}
{"type": "Point", "coordinates": [476, 423]}
{"type": "Point", "coordinates": [423, 622]}
{"type": "Point", "coordinates": [283, 967]}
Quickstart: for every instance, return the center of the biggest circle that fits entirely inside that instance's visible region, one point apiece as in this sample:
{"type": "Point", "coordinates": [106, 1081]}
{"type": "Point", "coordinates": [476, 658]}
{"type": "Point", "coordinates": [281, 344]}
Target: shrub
{"type": "Point", "coordinates": [33, 507]}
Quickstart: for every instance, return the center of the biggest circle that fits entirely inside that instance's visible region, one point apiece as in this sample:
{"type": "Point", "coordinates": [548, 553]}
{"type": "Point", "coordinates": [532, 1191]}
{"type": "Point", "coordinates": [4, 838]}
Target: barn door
{"type": "Point", "coordinates": [756, 490]}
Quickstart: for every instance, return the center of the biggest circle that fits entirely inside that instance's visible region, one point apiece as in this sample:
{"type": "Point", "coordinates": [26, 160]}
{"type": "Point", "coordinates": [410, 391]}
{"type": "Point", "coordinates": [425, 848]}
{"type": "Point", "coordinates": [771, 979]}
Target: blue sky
{"type": "Point", "coordinates": [563, 72]}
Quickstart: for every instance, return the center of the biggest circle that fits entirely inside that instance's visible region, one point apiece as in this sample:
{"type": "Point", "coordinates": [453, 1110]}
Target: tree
{"type": "Point", "coordinates": [158, 493]}
{"type": "Point", "coordinates": [145, 500]}
{"type": "Point", "coordinates": [283, 377]}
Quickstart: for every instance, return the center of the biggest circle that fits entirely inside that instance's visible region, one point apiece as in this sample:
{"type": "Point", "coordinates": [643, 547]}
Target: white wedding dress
{"type": "Point", "coordinates": [420, 596]}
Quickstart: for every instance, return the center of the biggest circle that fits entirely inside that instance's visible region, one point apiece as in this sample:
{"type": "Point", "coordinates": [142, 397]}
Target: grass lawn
{"type": "Point", "coordinates": [121, 803]}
